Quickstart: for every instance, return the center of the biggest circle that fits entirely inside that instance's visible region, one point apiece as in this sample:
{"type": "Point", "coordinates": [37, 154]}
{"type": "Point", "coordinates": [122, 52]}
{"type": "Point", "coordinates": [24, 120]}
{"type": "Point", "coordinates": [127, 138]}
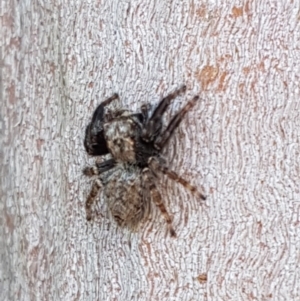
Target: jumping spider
{"type": "Point", "coordinates": [135, 142]}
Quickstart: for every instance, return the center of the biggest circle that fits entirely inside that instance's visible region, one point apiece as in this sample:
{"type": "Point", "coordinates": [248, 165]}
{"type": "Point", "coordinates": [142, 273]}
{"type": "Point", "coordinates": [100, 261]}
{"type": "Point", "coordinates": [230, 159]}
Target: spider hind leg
{"type": "Point", "coordinates": [97, 184]}
{"type": "Point", "coordinates": [157, 199]}
{"type": "Point", "coordinates": [159, 165]}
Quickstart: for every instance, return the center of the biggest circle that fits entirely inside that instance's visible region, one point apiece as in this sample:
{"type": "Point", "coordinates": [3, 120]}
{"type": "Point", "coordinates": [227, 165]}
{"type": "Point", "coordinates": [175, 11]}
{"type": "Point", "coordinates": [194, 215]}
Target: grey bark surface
{"type": "Point", "coordinates": [59, 59]}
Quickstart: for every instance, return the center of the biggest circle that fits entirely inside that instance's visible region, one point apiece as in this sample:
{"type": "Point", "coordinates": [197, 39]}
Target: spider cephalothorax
{"type": "Point", "coordinates": [134, 141]}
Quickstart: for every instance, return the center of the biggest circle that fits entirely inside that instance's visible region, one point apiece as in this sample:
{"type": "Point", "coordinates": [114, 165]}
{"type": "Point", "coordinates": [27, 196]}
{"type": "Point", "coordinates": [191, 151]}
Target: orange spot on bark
{"type": "Point", "coordinates": [237, 11]}
{"type": "Point", "coordinates": [207, 75]}
{"type": "Point", "coordinates": [202, 278]}
{"type": "Point", "coordinates": [222, 80]}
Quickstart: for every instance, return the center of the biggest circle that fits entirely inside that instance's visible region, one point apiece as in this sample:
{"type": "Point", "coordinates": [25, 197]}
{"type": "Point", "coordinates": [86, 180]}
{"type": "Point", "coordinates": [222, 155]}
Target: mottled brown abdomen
{"type": "Point", "coordinates": [127, 199]}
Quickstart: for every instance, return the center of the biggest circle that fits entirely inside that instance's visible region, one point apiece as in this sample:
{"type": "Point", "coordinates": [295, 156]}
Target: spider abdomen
{"type": "Point", "coordinates": [123, 191]}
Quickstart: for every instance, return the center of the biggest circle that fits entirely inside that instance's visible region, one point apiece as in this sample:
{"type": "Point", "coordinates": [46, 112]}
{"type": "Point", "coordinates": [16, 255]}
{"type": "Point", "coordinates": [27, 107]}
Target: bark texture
{"type": "Point", "coordinates": [59, 59]}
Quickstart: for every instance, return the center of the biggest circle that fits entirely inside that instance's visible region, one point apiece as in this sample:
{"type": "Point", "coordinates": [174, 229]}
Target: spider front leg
{"type": "Point", "coordinates": [94, 141]}
{"type": "Point", "coordinates": [162, 139]}
{"type": "Point", "coordinates": [149, 181]}
{"type": "Point", "coordinates": [154, 124]}
{"type": "Point", "coordinates": [99, 112]}
{"type": "Point", "coordinates": [158, 165]}
{"type": "Point", "coordinates": [92, 171]}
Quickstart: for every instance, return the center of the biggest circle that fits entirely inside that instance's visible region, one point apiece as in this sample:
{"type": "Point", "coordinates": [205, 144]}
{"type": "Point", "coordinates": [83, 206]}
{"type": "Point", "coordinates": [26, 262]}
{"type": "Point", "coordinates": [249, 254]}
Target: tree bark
{"type": "Point", "coordinates": [240, 145]}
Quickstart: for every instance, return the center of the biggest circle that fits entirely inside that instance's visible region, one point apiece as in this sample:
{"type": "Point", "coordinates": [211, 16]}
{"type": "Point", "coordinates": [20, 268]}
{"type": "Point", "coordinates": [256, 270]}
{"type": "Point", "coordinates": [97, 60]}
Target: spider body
{"type": "Point", "coordinates": [134, 142]}
{"type": "Point", "coordinates": [126, 200]}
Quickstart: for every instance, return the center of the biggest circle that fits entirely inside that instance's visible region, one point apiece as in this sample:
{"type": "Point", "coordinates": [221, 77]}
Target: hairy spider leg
{"type": "Point", "coordinates": [154, 124]}
{"type": "Point", "coordinates": [157, 165]}
{"type": "Point", "coordinates": [164, 137]}
{"type": "Point", "coordinates": [94, 171]}
{"type": "Point", "coordinates": [157, 199]}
